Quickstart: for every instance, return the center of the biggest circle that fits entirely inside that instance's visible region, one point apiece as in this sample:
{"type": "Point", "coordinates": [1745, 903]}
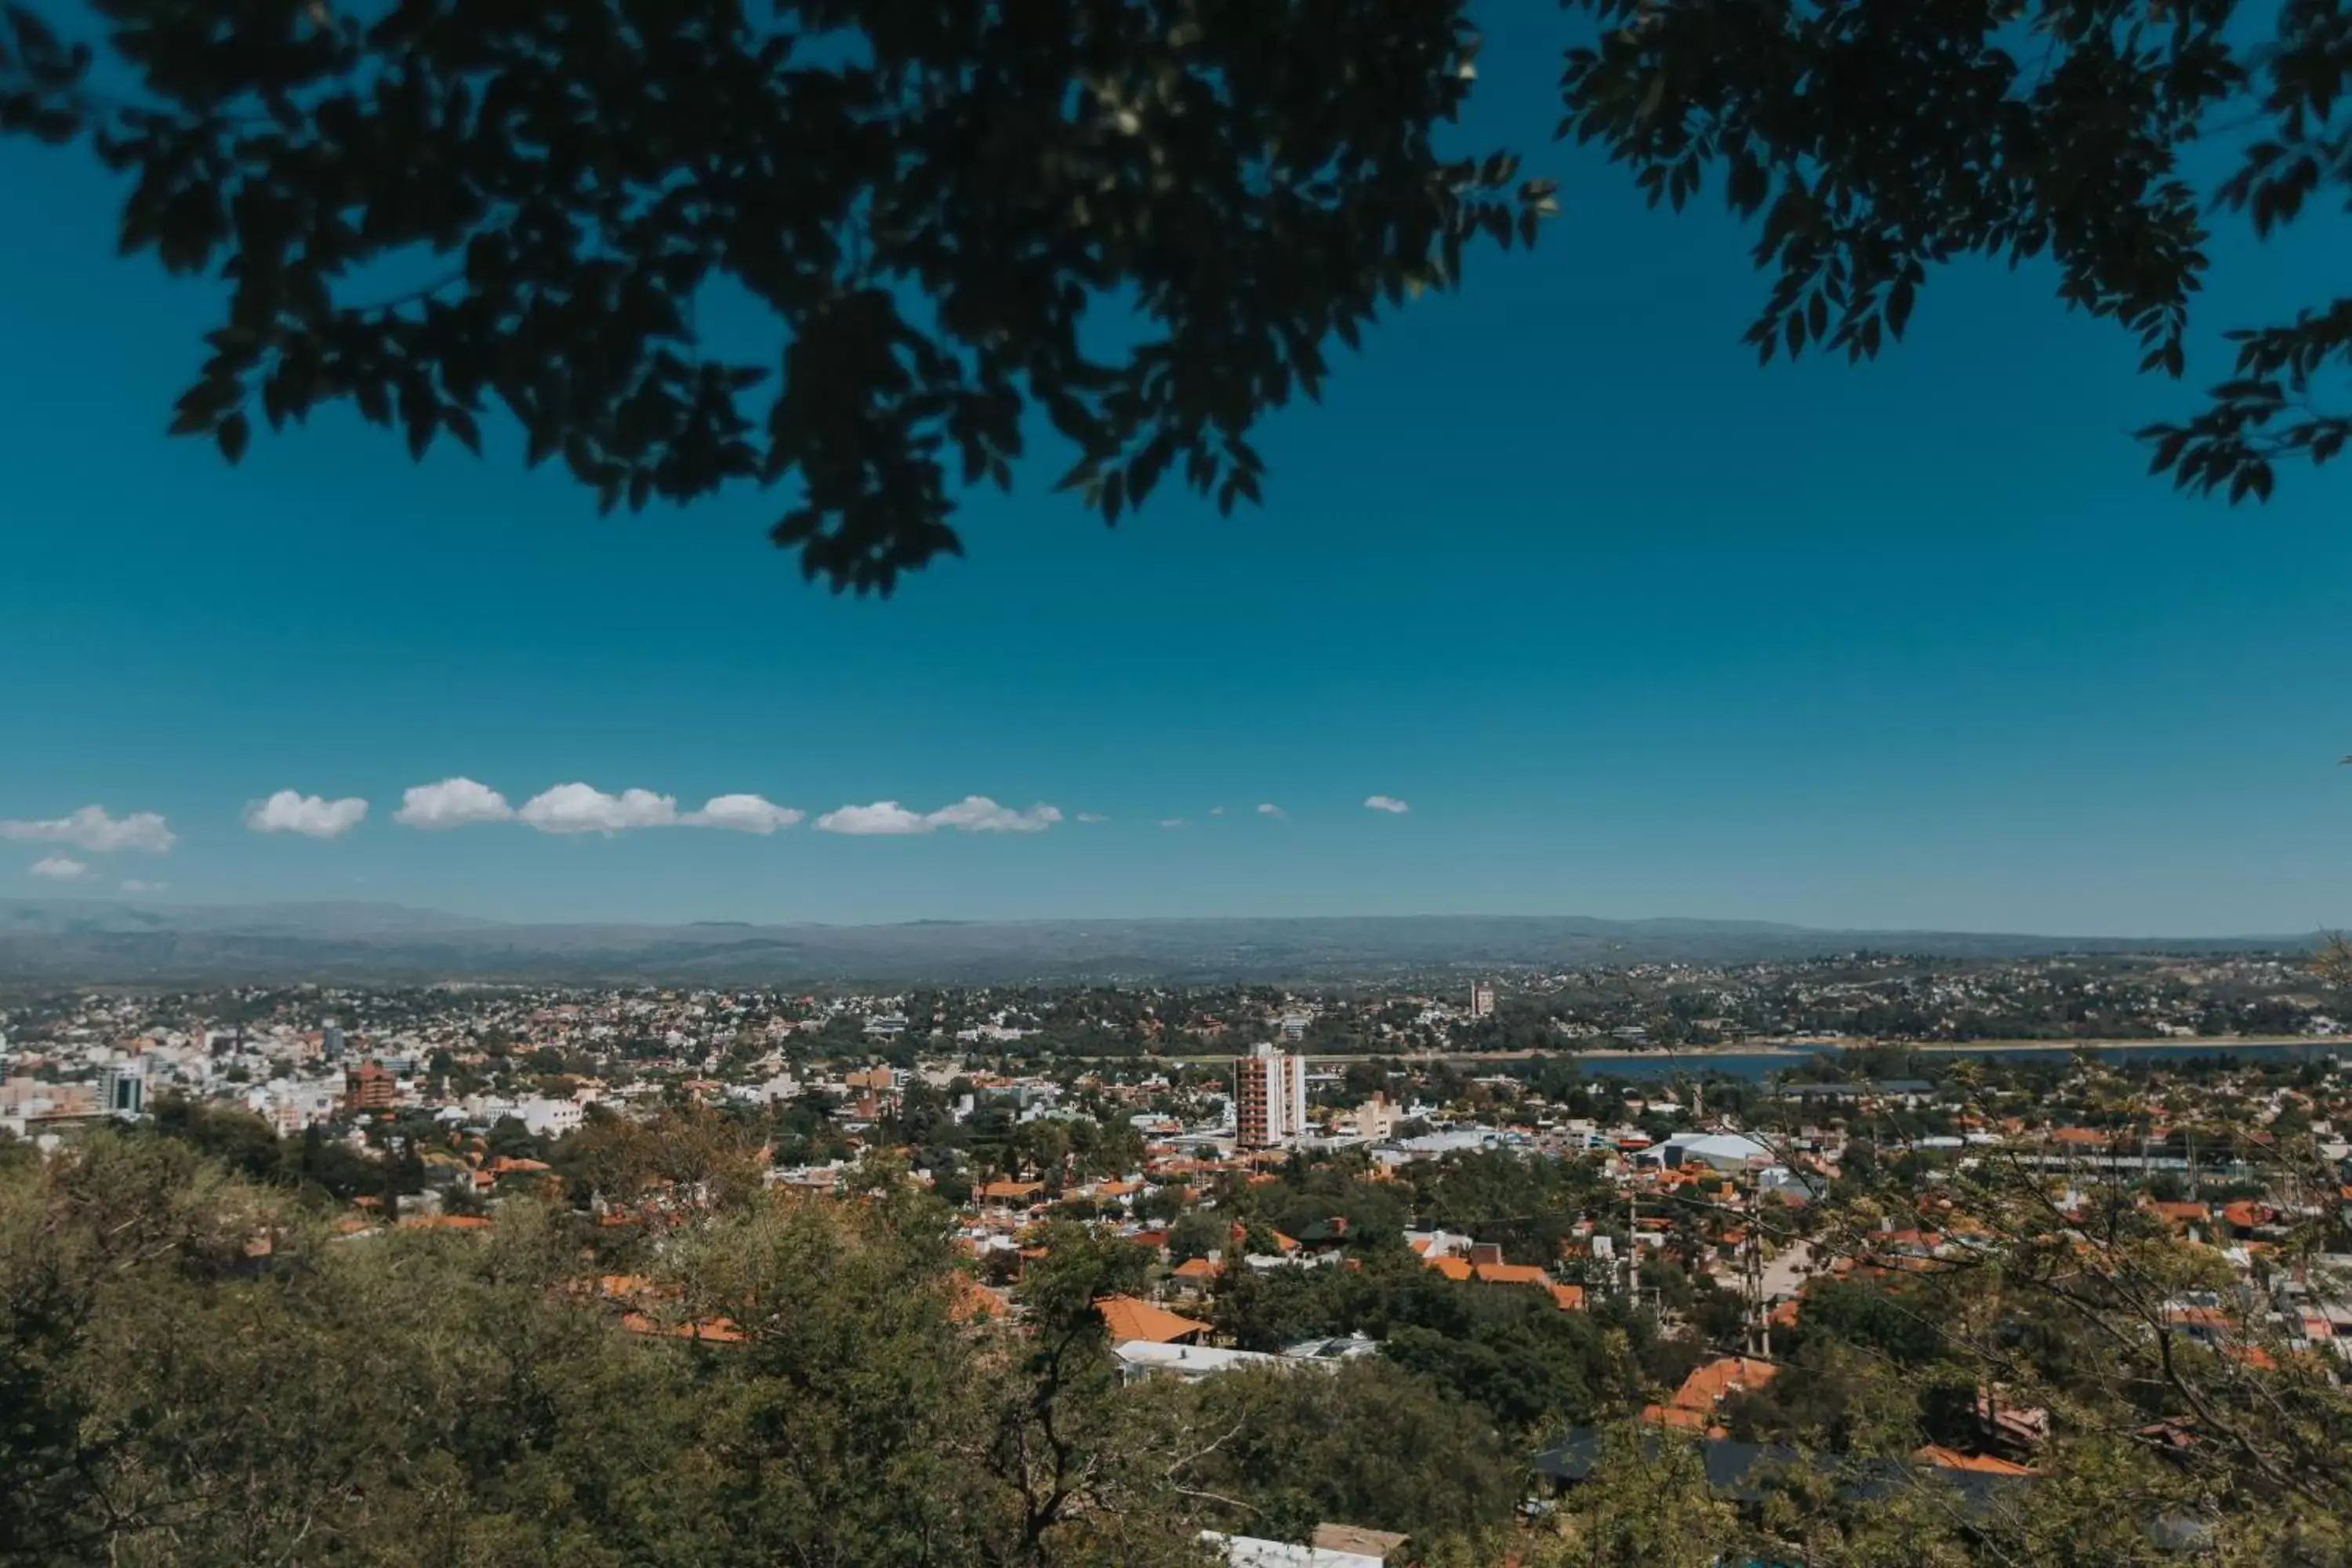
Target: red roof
{"type": "Point", "coordinates": [1128, 1319]}
{"type": "Point", "coordinates": [1510, 1274]}
{"type": "Point", "coordinates": [1705, 1387]}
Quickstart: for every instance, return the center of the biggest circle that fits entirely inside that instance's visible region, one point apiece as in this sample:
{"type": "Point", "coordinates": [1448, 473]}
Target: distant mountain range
{"type": "Point", "coordinates": [74, 941]}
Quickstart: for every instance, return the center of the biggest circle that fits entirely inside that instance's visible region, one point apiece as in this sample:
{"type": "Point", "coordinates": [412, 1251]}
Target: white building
{"type": "Point", "coordinates": [549, 1118]}
{"type": "Point", "coordinates": [1270, 1098]}
{"type": "Point", "coordinates": [1334, 1546]}
{"type": "Point", "coordinates": [122, 1088]}
{"type": "Point", "coordinates": [1723, 1150]}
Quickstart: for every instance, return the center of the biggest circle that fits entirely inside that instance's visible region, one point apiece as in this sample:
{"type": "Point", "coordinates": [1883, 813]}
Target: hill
{"type": "Point", "coordinates": [76, 942]}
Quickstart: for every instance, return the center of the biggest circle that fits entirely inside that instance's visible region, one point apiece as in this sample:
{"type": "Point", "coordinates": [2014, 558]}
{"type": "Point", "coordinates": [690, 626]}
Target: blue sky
{"type": "Point", "coordinates": [1634, 627]}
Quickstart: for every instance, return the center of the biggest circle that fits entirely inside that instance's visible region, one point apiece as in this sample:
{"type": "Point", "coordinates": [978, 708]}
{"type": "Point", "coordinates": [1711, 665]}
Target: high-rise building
{"type": "Point", "coordinates": [1270, 1098]}
{"type": "Point", "coordinates": [367, 1087]}
{"type": "Point", "coordinates": [122, 1088]}
{"type": "Point", "coordinates": [331, 1042]}
{"type": "Point", "coordinates": [1482, 1000]}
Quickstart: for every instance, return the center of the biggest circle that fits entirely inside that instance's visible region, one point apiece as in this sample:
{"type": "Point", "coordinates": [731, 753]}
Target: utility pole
{"type": "Point", "coordinates": [1632, 1241]}
{"type": "Point", "coordinates": [1762, 1338]}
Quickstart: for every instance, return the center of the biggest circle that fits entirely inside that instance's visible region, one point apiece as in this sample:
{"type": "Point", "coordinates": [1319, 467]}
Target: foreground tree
{"type": "Point", "coordinates": [1879, 140]}
{"type": "Point", "coordinates": [949, 213]}
{"type": "Point", "coordinates": [446, 203]}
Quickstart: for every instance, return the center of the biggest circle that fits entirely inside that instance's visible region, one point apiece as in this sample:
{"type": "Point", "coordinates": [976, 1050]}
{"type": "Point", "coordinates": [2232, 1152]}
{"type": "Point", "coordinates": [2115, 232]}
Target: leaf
{"type": "Point", "coordinates": [33, 35]}
{"type": "Point", "coordinates": [1748, 186]}
{"type": "Point", "coordinates": [232, 434]}
{"type": "Point", "coordinates": [1653, 98]}
{"type": "Point", "coordinates": [1900, 300]}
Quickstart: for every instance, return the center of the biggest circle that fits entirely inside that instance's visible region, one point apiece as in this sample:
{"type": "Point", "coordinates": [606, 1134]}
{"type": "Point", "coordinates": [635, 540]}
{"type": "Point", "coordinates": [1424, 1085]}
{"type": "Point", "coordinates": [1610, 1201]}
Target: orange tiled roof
{"type": "Point", "coordinates": [1199, 1269]}
{"type": "Point", "coordinates": [1705, 1388]}
{"type": "Point", "coordinates": [1509, 1274]}
{"type": "Point", "coordinates": [1128, 1319]}
{"type": "Point", "coordinates": [1451, 1268]}
{"type": "Point", "coordinates": [1012, 1189]}
{"type": "Point", "coordinates": [1981, 1464]}
{"type": "Point", "coordinates": [1674, 1416]}
{"type": "Point", "coordinates": [1570, 1296]}
{"type": "Point", "coordinates": [445, 1222]}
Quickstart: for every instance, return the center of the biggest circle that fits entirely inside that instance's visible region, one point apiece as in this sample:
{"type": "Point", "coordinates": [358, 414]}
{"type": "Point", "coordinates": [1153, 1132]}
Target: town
{"type": "Point", "coordinates": [1563, 1202]}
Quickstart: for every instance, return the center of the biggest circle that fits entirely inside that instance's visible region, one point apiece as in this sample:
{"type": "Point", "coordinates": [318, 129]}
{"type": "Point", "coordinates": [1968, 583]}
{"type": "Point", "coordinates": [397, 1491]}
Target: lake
{"type": "Point", "coordinates": [1755, 1065]}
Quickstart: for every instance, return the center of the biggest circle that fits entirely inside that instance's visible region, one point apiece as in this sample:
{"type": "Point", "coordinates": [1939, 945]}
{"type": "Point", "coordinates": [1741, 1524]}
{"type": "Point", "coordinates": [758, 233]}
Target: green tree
{"type": "Point", "coordinates": [1877, 142]}
{"type": "Point", "coordinates": [1647, 1502]}
{"type": "Point", "coordinates": [432, 208]}
{"type": "Point", "coordinates": [1365, 1443]}
{"type": "Point", "coordinates": [1199, 1233]}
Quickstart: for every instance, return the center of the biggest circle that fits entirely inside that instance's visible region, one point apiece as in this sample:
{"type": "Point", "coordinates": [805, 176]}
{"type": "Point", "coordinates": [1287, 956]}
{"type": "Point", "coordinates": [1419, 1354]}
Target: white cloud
{"type": "Point", "coordinates": [1387, 802]}
{"type": "Point", "coordinates": [578, 808]}
{"type": "Point", "coordinates": [1269, 809]}
{"type": "Point", "coordinates": [1092, 816]}
{"type": "Point", "coordinates": [92, 829]}
{"type": "Point", "coordinates": [1171, 822]}
{"type": "Point", "coordinates": [742, 813]}
{"type": "Point", "coordinates": [972, 814]}
{"type": "Point", "coordinates": [978, 813]}
{"type": "Point", "coordinates": [452, 803]}
{"type": "Point", "coordinates": [1217, 811]}
{"type": "Point", "coordinates": [58, 868]}
{"type": "Point", "coordinates": [311, 815]}
{"type": "Point", "coordinates": [136, 886]}
{"type": "Point", "coordinates": [882, 818]}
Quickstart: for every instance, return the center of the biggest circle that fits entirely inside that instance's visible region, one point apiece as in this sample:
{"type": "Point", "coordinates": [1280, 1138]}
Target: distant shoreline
{"type": "Point", "coordinates": [1798, 1052]}
{"type": "Point", "coordinates": [1965, 1047]}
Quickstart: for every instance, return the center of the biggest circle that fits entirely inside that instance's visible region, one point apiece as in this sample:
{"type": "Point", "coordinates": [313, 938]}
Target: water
{"type": "Point", "coordinates": [1754, 1066]}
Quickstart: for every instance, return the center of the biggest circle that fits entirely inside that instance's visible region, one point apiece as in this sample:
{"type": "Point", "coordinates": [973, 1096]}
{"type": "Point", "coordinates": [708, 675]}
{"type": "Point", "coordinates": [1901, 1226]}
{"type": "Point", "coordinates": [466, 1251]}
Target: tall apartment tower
{"type": "Point", "coordinates": [368, 1087]}
{"type": "Point", "coordinates": [1482, 1000]}
{"type": "Point", "coordinates": [1270, 1098]}
{"type": "Point", "coordinates": [122, 1088]}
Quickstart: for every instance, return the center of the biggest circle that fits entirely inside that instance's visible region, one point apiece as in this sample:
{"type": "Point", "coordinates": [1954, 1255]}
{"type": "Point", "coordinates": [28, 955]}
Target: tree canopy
{"type": "Point", "coordinates": [446, 203]}
{"type": "Point", "coordinates": [1144, 219]}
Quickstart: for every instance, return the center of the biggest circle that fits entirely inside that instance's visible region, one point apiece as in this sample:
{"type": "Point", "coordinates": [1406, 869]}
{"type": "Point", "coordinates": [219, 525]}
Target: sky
{"type": "Point", "coordinates": [1557, 603]}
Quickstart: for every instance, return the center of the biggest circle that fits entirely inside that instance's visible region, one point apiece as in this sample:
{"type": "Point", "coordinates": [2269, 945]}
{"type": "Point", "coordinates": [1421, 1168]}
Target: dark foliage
{"type": "Point", "coordinates": [449, 203]}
